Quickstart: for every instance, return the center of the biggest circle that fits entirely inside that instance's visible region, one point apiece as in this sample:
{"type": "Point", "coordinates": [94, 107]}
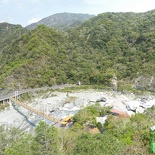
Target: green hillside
{"type": "Point", "coordinates": [123, 42]}
{"type": "Point", "coordinates": [9, 33]}
{"type": "Point", "coordinates": [34, 58]}
{"type": "Point", "coordinates": [8, 29]}
{"type": "Point", "coordinates": [108, 44]}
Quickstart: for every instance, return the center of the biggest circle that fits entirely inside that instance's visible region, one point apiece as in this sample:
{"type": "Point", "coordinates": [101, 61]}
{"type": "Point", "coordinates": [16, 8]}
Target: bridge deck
{"type": "Point", "coordinates": [49, 117]}
{"type": "Point", "coordinates": [20, 92]}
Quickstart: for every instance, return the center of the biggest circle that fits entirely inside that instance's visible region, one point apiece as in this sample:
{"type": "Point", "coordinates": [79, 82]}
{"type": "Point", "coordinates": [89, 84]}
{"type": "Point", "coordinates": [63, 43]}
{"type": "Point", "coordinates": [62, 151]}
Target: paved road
{"type": "Point", "coordinates": [12, 94]}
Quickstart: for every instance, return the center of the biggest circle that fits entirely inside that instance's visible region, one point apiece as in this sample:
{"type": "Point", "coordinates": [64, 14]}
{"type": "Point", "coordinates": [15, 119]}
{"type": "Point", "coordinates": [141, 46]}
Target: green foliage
{"type": "Point", "coordinates": [99, 126]}
{"type": "Point", "coordinates": [26, 96]}
{"type": "Point", "coordinates": [88, 144]}
{"type": "Point", "coordinates": [23, 146]}
{"type": "Point", "coordinates": [46, 139]}
{"type": "Point", "coordinates": [85, 115]}
{"type": "Point", "coordinates": [104, 111]}
{"type": "Point", "coordinates": [44, 142]}
{"type": "Point", "coordinates": [132, 132]}
{"type": "Point", "coordinates": [89, 115]}
{"type": "Point", "coordinates": [108, 44]}
{"type": "Point", "coordinates": [120, 43]}
{"type": "Point", "coordinates": [121, 136]}
{"type": "Point", "coordinates": [4, 105]}
{"type": "Point", "coordinates": [120, 128]}
{"type": "Point", "coordinates": [9, 137]}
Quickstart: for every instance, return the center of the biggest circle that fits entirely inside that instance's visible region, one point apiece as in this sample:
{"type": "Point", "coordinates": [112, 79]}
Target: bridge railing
{"type": "Point", "coordinates": [49, 117]}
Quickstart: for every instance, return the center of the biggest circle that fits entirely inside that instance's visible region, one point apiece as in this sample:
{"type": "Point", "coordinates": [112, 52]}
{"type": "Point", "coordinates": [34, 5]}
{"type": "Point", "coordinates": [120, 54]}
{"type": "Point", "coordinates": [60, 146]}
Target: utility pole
{"type": "Point", "coordinates": [19, 84]}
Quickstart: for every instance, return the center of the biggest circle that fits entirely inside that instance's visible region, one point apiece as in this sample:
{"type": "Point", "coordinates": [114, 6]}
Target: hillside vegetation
{"type": "Point", "coordinates": [123, 42]}
{"type": "Point", "coordinates": [121, 136]}
{"type": "Point", "coordinates": [9, 33]}
{"type": "Point", "coordinates": [35, 59]}
{"type": "Point", "coordinates": [108, 44]}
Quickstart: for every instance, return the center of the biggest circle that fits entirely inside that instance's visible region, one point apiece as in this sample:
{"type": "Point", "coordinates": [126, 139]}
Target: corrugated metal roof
{"type": "Point", "coordinates": [120, 112]}
{"type": "Point", "coordinates": [101, 119]}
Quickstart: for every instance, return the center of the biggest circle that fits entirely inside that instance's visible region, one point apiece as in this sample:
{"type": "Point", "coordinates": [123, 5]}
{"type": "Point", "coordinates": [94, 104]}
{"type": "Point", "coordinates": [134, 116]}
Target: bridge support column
{"type": "Point", "coordinates": [16, 95]}
{"type": "Point", "coordinates": [10, 103]}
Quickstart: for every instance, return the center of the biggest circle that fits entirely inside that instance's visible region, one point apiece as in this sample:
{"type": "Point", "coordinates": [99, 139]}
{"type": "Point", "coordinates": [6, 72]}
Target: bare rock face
{"type": "Point", "coordinates": [130, 113]}
{"type": "Point", "coordinates": [145, 83]}
{"type": "Point", "coordinates": [152, 84]}
{"type": "Point", "coordinates": [79, 102]}
{"type": "Point", "coordinates": [139, 110]}
{"type": "Point", "coordinates": [114, 82]}
{"type": "Point", "coordinates": [102, 99]}
{"type": "Point", "coordinates": [133, 105]}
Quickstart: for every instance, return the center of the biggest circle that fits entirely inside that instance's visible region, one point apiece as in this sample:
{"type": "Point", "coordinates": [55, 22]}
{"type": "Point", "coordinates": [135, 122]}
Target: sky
{"type": "Point", "coordinates": [25, 12]}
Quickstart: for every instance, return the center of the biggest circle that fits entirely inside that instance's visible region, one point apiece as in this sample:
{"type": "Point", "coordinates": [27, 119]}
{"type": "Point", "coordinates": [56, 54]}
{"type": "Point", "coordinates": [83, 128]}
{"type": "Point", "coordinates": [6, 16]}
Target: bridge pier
{"type": "Point", "coordinates": [10, 103]}
{"type": "Point", "coordinates": [16, 95]}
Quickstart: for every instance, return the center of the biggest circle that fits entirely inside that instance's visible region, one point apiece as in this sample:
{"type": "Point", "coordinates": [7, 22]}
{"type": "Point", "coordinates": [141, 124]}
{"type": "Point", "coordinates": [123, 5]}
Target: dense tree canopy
{"type": "Point", "coordinates": [108, 44]}
{"type": "Point", "coordinates": [121, 136]}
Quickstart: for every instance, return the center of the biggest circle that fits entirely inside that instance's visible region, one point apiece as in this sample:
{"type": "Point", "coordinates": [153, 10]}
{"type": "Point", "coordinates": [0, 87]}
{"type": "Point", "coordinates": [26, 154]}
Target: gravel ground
{"type": "Point", "coordinates": [61, 104]}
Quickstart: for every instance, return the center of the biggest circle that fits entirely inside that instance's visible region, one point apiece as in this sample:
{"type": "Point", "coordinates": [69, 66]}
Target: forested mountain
{"type": "Point", "coordinates": [120, 44]}
{"type": "Point", "coordinates": [62, 21]}
{"type": "Point", "coordinates": [122, 41]}
{"type": "Point", "coordinates": [108, 44]}
{"type": "Point", "coordinates": [34, 58]}
{"type": "Point", "coordinates": [9, 32]}
{"type": "Point", "coordinates": [7, 29]}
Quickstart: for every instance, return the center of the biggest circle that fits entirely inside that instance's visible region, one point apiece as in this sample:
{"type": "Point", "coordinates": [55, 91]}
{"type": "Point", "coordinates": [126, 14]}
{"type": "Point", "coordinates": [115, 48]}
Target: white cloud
{"type": "Point", "coordinates": [33, 20]}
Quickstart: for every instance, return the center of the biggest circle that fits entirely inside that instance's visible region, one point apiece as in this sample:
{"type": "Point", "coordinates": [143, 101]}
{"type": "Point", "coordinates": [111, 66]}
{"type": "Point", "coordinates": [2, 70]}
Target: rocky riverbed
{"type": "Point", "coordinates": [61, 104]}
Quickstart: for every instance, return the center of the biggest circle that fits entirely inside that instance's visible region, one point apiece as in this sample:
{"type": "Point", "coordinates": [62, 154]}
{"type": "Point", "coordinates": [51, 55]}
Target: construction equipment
{"type": "Point", "coordinates": [66, 120]}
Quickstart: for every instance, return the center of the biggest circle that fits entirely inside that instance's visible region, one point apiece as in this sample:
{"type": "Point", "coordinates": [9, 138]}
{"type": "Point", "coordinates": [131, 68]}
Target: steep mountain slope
{"type": "Point", "coordinates": [44, 57]}
{"type": "Point", "coordinates": [6, 29]}
{"type": "Point", "coordinates": [9, 32]}
{"type": "Point", "coordinates": [108, 44]}
{"type": "Point", "coordinates": [123, 42]}
{"type": "Point", "coordinates": [62, 21]}
{"type": "Point", "coordinates": [34, 58]}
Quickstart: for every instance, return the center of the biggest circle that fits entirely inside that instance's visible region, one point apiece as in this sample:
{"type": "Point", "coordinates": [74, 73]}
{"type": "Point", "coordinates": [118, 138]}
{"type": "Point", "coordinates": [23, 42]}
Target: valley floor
{"type": "Point", "coordinates": [62, 104]}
